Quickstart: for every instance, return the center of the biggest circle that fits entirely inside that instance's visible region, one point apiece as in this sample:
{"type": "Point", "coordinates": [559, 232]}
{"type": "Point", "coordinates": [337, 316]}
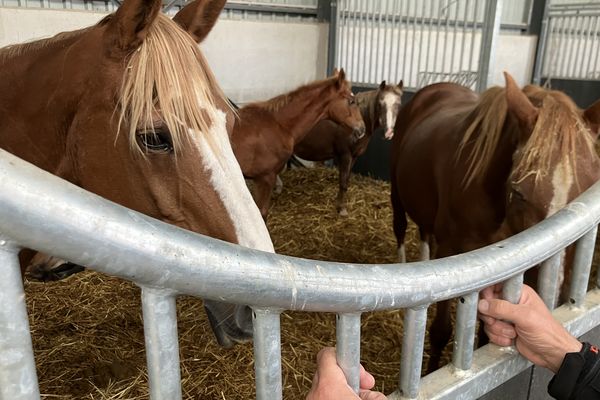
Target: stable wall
{"type": "Point", "coordinates": [253, 60]}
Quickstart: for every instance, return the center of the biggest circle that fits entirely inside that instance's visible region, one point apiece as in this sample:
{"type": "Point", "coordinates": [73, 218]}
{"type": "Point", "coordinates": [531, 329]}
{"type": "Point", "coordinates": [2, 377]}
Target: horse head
{"type": "Point", "coordinates": [146, 129]}
{"type": "Point", "coordinates": [343, 109]}
{"type": "Point", "coordinates": [555, 158]}
{"type": "Point", "coordinates": [387, 103]}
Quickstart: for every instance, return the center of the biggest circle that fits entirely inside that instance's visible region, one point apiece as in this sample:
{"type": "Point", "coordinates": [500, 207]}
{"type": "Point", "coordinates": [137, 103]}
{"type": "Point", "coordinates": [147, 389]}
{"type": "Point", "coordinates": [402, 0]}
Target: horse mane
{"type": "Point", "coordinates": [277, 103]}
{"type": "Point", "coordinates": [559, 123]}
{"type": "Point", "coordinates": [488, 119]}
{"type": "Point", "coordinates": [559, 126]}
{"type": "Point", "coordinates": [169, 74]}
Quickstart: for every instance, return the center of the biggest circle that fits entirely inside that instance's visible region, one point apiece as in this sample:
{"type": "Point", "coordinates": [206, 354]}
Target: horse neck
{"type": "Point", "coordinates": [367, 104]}
{"type": "Point", "coordinates": [304, 110]}
{"type": "Point", "coordinates": [36, 97]}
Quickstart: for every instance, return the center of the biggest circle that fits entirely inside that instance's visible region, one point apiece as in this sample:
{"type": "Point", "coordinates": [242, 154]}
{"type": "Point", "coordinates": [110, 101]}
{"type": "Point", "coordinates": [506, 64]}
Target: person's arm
{"type": "Point", "coordinates": [544, 341]}
{"type": "Point", "coordinates": [330, 383]}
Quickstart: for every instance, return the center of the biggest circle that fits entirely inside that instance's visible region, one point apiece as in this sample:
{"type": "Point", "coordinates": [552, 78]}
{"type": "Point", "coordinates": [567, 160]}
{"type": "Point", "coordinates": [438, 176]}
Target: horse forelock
{"type": "Point", "coordinates": [483, 132]}
{"type": "Point", "coordinates": [169, 75]}
{"type": "Point", "coordinates": [559, 136]}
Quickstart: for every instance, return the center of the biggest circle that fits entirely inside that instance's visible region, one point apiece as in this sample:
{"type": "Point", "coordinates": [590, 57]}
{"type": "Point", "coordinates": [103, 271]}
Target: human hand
{"type": "Point", "coordinates": [537, 335]}
{"type": "Point", "coordinates": [330, 383]}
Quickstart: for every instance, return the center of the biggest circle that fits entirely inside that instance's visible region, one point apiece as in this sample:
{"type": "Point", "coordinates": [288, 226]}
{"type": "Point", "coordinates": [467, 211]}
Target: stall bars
{"type": "Point", "coordinates": [167, 261]}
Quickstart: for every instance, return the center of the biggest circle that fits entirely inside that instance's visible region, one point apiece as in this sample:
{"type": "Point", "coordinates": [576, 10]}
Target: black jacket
{"type": "Point", "coordinates": [578, 377]}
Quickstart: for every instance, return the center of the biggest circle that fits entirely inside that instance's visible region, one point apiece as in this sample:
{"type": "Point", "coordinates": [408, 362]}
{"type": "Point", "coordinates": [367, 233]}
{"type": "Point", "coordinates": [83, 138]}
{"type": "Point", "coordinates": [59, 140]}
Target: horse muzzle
{"type": "Point", "coordinates": [389, 134]}
{"type": "Point", "coordinates": [358, 133]}
{"type": "Point", "coordinates": [230, 323]}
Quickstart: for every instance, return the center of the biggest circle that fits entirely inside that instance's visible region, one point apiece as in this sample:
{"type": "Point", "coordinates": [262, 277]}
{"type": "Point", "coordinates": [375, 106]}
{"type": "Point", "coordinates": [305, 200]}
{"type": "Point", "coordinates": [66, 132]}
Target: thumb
{"type": "Point", "coordinates": [369, 395]}
{"type": "Point", "coordinates": [501, 309]}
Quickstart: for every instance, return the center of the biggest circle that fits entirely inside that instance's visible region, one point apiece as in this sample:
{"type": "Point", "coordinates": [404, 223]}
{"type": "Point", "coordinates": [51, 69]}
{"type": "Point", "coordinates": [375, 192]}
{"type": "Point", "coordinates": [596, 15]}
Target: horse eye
{"type": "Point", "coordinates": [157, 141]}
{"type": "Point", "coordinates": [351, 101]}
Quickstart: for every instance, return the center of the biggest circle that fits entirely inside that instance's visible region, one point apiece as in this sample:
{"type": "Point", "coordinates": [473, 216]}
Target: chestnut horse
{"type": "Point", "coordinates": [129, 110]}
{"type": "Point", "coordinates": [328, 139]}
{"type": "Point", "coordinates": [264, 137]}
{"type": "Point", "coordinates": [471, 170]}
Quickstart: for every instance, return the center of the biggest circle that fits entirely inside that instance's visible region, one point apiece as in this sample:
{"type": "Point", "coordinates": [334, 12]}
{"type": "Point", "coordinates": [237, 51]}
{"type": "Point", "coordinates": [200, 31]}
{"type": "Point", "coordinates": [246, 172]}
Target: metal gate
{"type": "Point", "coordinates": [419, 41]}
{"type": "Point", "coordinates": [570, 42]}
{"type": "Point", "coordinates": [120, 242]}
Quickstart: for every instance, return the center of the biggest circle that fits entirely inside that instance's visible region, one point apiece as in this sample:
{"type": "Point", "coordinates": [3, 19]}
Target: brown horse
{"type": "Point", "coordinates": [130, 110]}
{"type": "Point", "coordinates": [471, 170]}
{"type": "Point", "coordinates": [265, 135]}
{"type": "Point", "coordinates": [328, 139]}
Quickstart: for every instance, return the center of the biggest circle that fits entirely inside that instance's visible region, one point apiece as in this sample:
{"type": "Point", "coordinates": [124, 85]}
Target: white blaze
{"type": "Point", "coordinates": [390, 99]}
{"type": "Point", "coordinates": [228, 181]}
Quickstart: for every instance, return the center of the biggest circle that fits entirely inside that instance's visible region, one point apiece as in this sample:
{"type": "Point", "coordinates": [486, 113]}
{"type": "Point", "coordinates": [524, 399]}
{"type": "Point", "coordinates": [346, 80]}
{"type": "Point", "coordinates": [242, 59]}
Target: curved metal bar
{"type": "Point", "coordinates": [37, 207]}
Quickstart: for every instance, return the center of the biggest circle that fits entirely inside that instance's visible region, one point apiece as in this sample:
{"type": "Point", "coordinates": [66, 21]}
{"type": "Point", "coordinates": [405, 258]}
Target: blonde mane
{"type": "Point", "coordinates": [168, 74]}
{"type": "Point", "coordinates": [559, 127]}
{"type": "Point", "coordinates": [277, 103]}
{"type": "Point", "coordinates": [488, 119]}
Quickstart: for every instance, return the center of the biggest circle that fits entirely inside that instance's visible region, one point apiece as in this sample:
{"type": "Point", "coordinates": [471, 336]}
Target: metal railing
{"type": "Point", "coordinates": [570, 42]}
{"type": "Point", "coordinates": [114, 240]}
{"type": "Point", "coordinates": [420, 42]}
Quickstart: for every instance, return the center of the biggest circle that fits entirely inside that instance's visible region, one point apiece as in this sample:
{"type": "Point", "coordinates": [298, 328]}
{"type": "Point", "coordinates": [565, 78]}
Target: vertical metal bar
{"type": "Point", "coordinates": [454, 35]}
{"type": "Point", "coordinates": [415, 322]}
{"type": "Point", "coordinates": [18, 378]}
{"type": "Point", "coordinates": [398, 40]}
{"type": "Point", "coordinates": [437, 39]}
{"type": "Point", "coordinates": [473, 35]}
{"type": "Point", "coordinates": [464, 35]}
{"type": "Point", "coordinates": [596, 59]}
{"type": "Point", "coordinates": [389, 74]}
{"type": "Point", "coordinates": [466, 321]}
{"type": "Point", "coordinates": [379, 56]}
{"type": "Point", "coordinates": [405, 52]}
{"type": "Point", "coordinates": [352, 42]}
{"type": "Point", "coordinates": [429, 39]}
{"type": "Point", "coordinates": [413, 42]}
{"type": "Point", "coordinates": [162, 344]}
{"type": "Point", "coordinates": [363, 46]}
{"type": "Point", "coordinates": [421, 39]}
{"type": "Point", "coordinates": [548, 279]}
{"type": "Point", "coordinates": [348, 347]}
{"type": "Point", "coordinates": [582, 265]}
{"type": "Point", "coordinates": [572, 52]}
{"type": "Point", "coordinates": [582, 48]}
{"type": "Point", "coordinates": [267, 354]}
{"type": "Point", "coordinates": [489, 41]}
{"type": "Point", "coordinates": [333, 46]}
{"type": "Point", "coordinates": [592, 35]}
{"type": "Point", "coordinates": [345, 17]}
{"type": "Point", "coordinates": [511, 291]}
{"type": "Point", "coordinates": [445, 46]}
{"type": "Point", "coordinates": [384, 51]}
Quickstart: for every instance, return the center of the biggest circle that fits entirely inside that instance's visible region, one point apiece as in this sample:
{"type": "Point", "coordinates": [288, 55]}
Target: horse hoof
{"type": "Point", "coordinates": [343, 212]}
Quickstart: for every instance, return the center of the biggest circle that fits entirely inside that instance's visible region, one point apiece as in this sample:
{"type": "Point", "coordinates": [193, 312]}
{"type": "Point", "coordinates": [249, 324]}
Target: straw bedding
{"type": "Point", "coordinates": [88, 334]}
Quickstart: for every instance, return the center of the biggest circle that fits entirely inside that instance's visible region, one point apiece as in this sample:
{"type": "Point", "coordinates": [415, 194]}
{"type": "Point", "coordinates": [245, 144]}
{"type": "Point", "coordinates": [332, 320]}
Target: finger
{"type": "Point", "coordinates": [502, 328]}
{"type": "Point", "coordinates": [367, 381]}
{"type": "Point", "coordinates": [498, 339]}
{"type": "Point", "coordinates": [326, 356]}
{"type": "Point", "coordinates": [487, 320]}
{"type": "Point", "coordinates": [369, 395]}
{"type": "Point", "coordinates": [487, 293]}
{"type": "Point", "coordinates": [502, 309]}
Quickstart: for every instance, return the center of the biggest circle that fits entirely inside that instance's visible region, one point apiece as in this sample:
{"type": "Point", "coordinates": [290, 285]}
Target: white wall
{"type": "Point", "coordinates": [515, 54]}
{"type": "Point", "coordinates": [253, 60]}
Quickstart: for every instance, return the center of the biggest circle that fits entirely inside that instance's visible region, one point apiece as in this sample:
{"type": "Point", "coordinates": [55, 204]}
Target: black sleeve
{"type": "Point", "coordinates": [578, 377]}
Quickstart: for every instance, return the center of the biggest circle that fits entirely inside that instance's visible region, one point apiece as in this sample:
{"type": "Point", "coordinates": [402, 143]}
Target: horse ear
{"type": "Point", "coordinates": [130, 25]}
{"type": "Point", "coordinates": [198, 17]}
{"type": "Point", "coordinates": [341, 78]}
{"type": "Point", "coordinates": [382, 85]}
{"type": "Point", "coordinates": [519, 105]}
{"type": "Point", "coordinates": [401, 84]}
{"type": "Point", "coordinates": [592, 116]}
{"type": "Point", "coordinates": [336, 71]}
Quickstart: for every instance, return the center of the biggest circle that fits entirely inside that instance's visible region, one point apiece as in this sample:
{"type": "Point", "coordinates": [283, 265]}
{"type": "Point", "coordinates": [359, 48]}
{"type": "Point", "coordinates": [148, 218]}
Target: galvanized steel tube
{"type": "Point", "coordinates": [548, 281]}
{"type": "Point", "coordinates": [348, 347]}
{"type": "Point", "coordinates": [466, 322]}
{"type": "Point", "coordinates": [511, 290]}
{"type": "Point", "coordinates": [162, 343]}
{"type": "Point", "coordinates": [582, 265]}
{"type": "Point", "coordinates": [18, 378]}
{"type": "Point", "coordinates": [415, 323]}
{"type": "Point", "coordinates": [267, 353]}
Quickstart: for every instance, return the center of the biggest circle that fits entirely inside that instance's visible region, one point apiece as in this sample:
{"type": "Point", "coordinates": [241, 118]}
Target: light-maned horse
{"type": "Point", "coordinates": [471, 170]}
{"type": "Point", "coordinates": [379, 109]}
{"type": "Point", "coordinates": [264, 137]}
{"type": "Point", "coordinates": [130, 110]}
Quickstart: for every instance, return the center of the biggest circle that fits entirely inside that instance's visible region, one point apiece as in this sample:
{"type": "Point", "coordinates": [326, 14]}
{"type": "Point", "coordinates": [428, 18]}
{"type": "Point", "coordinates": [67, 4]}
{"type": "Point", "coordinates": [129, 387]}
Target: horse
{"type": "Point", "coordinates": [471, 170]}
{"type": "Point", "coordinates": [328, 140]}
{"type": "Point", "coordinates": [129, 109]}
{"type": "Point", "coordinates": [265, 134]}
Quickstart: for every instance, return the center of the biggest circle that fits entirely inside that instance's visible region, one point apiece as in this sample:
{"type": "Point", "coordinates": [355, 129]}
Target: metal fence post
{"type": "Point", "coordinates": [332, 54]}
{"type": "Point", "coordinates": [348, 347]}
{"type": "Point", "coordinates": [489, 42]}
{"type": "Point", "coordinates": [18, 378]}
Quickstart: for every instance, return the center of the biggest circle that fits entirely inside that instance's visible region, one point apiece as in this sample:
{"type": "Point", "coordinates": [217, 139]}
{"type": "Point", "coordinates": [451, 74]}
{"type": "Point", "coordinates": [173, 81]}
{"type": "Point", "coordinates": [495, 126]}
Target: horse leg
{"type": "Point", "coordinates": [263, 186]}
{"type": "Point", "coordinates": [400, 223]}
{"type": "Point", "coordinates": [424, 247]}
{"type": "Point", "coordinates": [344, 167]}
{"type": "Point", "coordinates": [439, 334]}
{"type": "Point", "coordinates": [278, 185]}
